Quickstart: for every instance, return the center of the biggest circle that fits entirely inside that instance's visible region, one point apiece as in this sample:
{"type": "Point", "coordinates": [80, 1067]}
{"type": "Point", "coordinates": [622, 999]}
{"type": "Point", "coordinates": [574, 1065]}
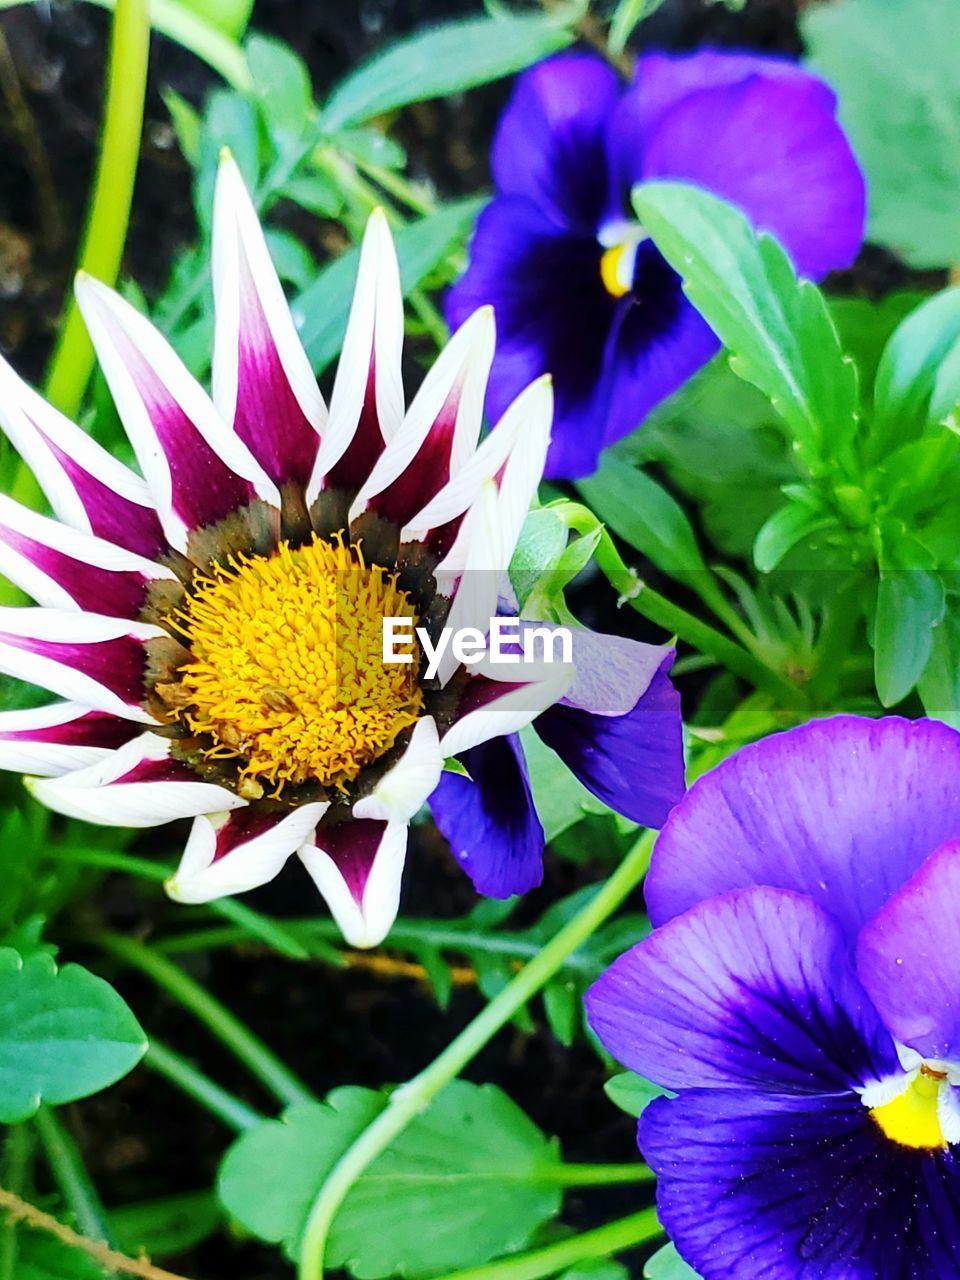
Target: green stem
{"type": "Point", "coordinates": [18, 1151]}
{"type": "Point", "coordinates": [106, 231]}
{"type": "Point", "coordinates": [597, 1175]}
{"type": "Point", "coordinates": [225, 1106]}
{"type": "Point", "coordinates": [72, 1177]}
{"type": "Point", "coordinates": [253, 1053]}
{"type": "Point", "coordinates": [409, 1100]}
{"type": "Point", "coordinates": [603, 1242]}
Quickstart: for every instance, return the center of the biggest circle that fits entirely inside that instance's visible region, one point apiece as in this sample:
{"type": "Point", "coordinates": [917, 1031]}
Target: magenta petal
{"type": "Point", "coordinates": [908, 958]}
{"type": "Point", "coordinates": [118, 665]}
{"type": "Point", "coordinates": [116, 593]}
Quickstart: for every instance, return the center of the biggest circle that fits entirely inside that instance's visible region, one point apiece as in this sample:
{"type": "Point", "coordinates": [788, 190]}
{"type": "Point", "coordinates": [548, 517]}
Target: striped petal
{"type": "Point", "coordinates": [198, 472]}
{"type": "Point", "coordinates": [231, 853]}
{"type": "Point", "coordinates": [358, 866]}
{"type": "Point", "coordinates": [493, 705]}
{"type": "Point", "coordinates": [262, 381]}
{"type": "Point", "coordinates": [100, 662]}
{"type": "Point", "coordinates": [440, 431]}
{"type": "Point", "coordinates": [65, 569]}
{"type": "Point", "coordinates": [59, 738]}
{"type": "Point", "coordinates": [366, 407]}
{"type": "Point", "coordinates": [139, 785]}
{"type": "Point", "coordinates": [86, 486]}
{"type": "Point", "coordinates": [405, 789]}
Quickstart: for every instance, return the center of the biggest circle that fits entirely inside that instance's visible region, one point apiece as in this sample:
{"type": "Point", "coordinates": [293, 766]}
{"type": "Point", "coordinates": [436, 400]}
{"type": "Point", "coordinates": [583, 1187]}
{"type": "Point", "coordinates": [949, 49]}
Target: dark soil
{"type": "Point", "coordinates": [142, 1138]}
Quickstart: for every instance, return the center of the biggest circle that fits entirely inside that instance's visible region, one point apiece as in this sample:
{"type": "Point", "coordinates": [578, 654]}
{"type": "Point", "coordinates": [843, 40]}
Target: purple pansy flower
{"type": "Point", "coordinates": [801, 993]}
{"type": "Point", "coordinates": [578, 289]}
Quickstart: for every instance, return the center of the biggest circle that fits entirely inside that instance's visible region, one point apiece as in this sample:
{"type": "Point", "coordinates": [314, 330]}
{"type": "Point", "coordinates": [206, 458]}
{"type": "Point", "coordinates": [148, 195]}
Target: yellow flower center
{"type": "Point", "coordinates": [913, 1118]}
{"type": "Point", "coordinates": [616, 266]}
{"type": "Point", "coordinates": [288, 673]}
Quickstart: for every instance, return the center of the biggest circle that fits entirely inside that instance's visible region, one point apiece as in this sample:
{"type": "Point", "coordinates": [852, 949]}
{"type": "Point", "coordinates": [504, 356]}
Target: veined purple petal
{"type": "Point", "coordinates": [262, 380]}
{"type": "Point", "coordinates": [632, 762]}
{"type": "Point", "coordinates": [752, 990]}
{"type": "Point", "coordinates": [59, 738]}
{"type": "Point", "coordinates": [776, 150]}
{"type": "Point", "coordinates": [799, 1188]}
{"type": "Point", "coordinates": [549, 143]}
{"type": "Point", "coordinates": [611, 673]}
{"type": "Point", "coordinates": [489, 821]}
{"type": "Point", "coordinates": [358, 866]}
{"type": "Point", "coordinates": [845, 810]}
{"type": "Point", "coordinates": [908, 958]}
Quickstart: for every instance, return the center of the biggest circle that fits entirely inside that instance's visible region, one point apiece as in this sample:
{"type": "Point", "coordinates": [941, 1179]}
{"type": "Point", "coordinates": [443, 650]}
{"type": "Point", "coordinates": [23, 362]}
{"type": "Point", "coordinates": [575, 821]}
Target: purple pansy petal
{"type": "Point", "coordinates": [553, 316]}
{"type": "Point", "coordinates": [489, 821]}
{"type": "Point", "coordinates": [86, 486]}
{"type": "Point", "coordinates": [845, 810]}
{"type": "Point", "coordinates": [56, 739]}
{"type": "Point", "coordinates": [908, 958]}
{"type": "Point", "coordinates": [753, 989]}
{"type": "Point", "coordinates": [233, 852]}
{"type": "Point", "coordinates": [632, 762]}
{"type": "Point", "coordinates": [65, 569]}
{"type": "Point", "coordinates": [98, 661]}
{"type": "Point", "coordinates": [799, 1188]}
{"type": "Point", "coordinates": [138, 785]}
{"type": "Point", "coordinates": [357, 866]}
{"type": "Point", "coordinates": [610, 673]}
{"type": "Point", "coordinates": [262, 380]}
{"type": "Point", "coordinates": [549, 143]}
{"type": "Point", "coordinates": [197, 470]}
{"type": "Point", "coordinates": [776, 151]}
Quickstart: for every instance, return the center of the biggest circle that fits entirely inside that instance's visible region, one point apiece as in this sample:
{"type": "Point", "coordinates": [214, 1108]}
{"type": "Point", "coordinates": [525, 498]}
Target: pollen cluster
{"type": "Point", "coordinates": [287, 672]}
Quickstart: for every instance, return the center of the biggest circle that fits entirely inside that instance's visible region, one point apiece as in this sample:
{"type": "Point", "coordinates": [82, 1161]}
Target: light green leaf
{"type": "Point", "coordinates": [162, 1227]}
{"type": "Point", "coordinates": [468, 1180]}
{"type": "Point", "coordinates": [229, 16]}
{"type": "Point", "coordinates": [561, 1003]}
{"type": "Point", "coordinates": [281, 86]}
{"type": "Point", "coordinates": [63, 1034]}
{"type": "Point", "coordinates": [186, 124]}
{"type": "Point", "coordinates": [910, 366]}
{"type": "Point", "coordinates": [321, 310]}
{"type": "Point", "coordinates": [41, 1257]}
{"type": "Point", "coordinates": [541, 543]}
{"type": "Point", "coordinates": [784, 530]}
{"type": "Point", "coordinates": [442, 60]}
{"type": "Point", "coordinates": [910, 604]}
{"type": "Point", "coordinates": [778, 329]}
{"type": "Point", "coordinates": [626, 17]}
{"type": "Point", "coordinates": [632, 1094]}
{"type": "Point", "coordinates": [596, 1269]}
{"type": "Point", "coordinates": [666, 1264]}
{"type": "Point", "coordinates": [939, 686]}
{"type": "Point", "coordinates": [560, 799]}
{"type": "Point", "coordinates": [895, 68]}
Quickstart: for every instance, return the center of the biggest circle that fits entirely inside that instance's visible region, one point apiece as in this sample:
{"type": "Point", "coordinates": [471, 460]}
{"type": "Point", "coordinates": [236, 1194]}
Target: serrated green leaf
{"type": "Point", "coordinates": [441, 60]}
{"type": "Point", "coordinates": [666, 1264]}
{"type": "Point", "coordinates": [897, 76]}
{"type": "Point", "coordinates": [64, 1034]}
{"type": "Point", "coordinates": [777, 328]}
{"type": "Point", "coordinates": [321, 310]}
{"type": "Point", "coordinates": [632, 1094]}
{"type": "Point", "coordinates": [469, 1179]}
{"type": "Point", "coordinates": [781, 533]}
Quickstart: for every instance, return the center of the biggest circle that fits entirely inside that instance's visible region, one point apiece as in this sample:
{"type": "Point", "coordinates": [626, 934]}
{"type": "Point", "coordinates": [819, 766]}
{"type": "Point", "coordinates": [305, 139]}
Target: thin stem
{"type": "Point", "coordinates": [225, 1106]}
{"type": "Point", "coordinates": [71, 1176]}
{"type": "Point", "coordinates": [253, 1053]}
{"type": "Point", "coordinates": [603, 1242]}
{"type": "Point", "coordinates": [411, 1099]}
{"type": "Point", "coordinates": [18, 1151]}
{"type": "Point", "coordinates": [597, 1175]}
{"type": "Point", "coordinates": [109, 213]}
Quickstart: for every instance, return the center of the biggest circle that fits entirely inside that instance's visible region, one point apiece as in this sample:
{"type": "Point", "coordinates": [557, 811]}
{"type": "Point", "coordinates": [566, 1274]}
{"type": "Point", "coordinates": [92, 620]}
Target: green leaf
{"type": "Point", "coordinates": [910, 366]}
{"type": "Point", "coordinates": [468, 1180]}
{"type": "Point", "coordinates": [596, 1269]}
{"type": "Point", "coordinates": [539, 547]}
{"type": "Point", "coordinates": [896, 72]}
{"type": "Point", "coordinates": [785, 528]}
{"type": "Point", "coordinates": [321, 310]}
{"type": "Point", "coordinates": [229, 16]}
{"type": "Point", "coordinates": [778, 329]}
{"type": "Point", "coordinates": [42, 1257]}
{"type": "Point", "coordinates": [560, 799]}
{"type": "Point", "coordinates": [167, 1226]}
{"type": "Point", "coordinates": [641, 512]}
{"type": "Point", "coordinates": [632, 1094]}
{"type": "Point", "coordinates": [186, 124]}
{"type": "Point", "coordinates": [666, 1264]}
{"type": "Point", "coordinates": [910, 604]}
{"type": "Point", "coordinates": [939, 686]}
{"type": "Point", "coordinates": [282, 88]}
{"type": "Point", "coordinates": [626, 17]}
{"type": "Point", "coordinates": [561, 1003]}
{"type": "Point", "coordinates": [63, 1034]}
{"type": "Point", "coordinates": [442, 60]}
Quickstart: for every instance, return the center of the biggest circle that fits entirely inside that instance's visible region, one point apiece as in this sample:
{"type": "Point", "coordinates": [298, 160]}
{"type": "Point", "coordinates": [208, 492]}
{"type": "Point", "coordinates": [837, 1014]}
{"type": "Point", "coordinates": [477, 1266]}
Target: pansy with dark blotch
{"type": "Point", "coordinates": [578, 289]}
{"type": "Point", "coordinates": [801, 994]}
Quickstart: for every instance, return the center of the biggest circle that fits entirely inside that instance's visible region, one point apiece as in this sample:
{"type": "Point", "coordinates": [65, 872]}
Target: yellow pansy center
{"type": "Point", "coordinates": [287, 672]}
{"type": "Point", "coordinates": [616, 269]}
{"type": "Point", "coordinates": [912, 1118]}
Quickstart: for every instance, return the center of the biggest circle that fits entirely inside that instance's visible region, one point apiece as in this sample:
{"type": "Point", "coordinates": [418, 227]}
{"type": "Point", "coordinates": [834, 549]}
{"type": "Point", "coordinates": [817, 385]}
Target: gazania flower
{"type": "Point", "coordinates": [579, 289]}
{"type": "Point", "coordinates": [801, 996]}
{"type": "Point", "coordinates": [216, 625]}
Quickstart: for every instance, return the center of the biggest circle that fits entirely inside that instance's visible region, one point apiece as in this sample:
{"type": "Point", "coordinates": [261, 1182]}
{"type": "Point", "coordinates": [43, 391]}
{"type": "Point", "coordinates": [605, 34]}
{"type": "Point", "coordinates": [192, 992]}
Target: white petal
{"type": "Point", "coordinates": [20, 753]}
{"type": "Point", "coordinates": [202, 877]}
{"type": "Point", "coordinates": [367, 921]}
{"type": "Point", "coordinates": [404, 790]}
{"type": "Point", "coordinates": [516, 707]}
{"type": "Point", "coordinates": [472, 573]}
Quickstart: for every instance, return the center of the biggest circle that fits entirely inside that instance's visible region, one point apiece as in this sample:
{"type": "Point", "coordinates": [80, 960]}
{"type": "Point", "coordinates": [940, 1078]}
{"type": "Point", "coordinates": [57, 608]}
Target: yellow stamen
{"type": "Point", "coordinates": [912, 1118]}
{"type": "Point", "coordinates": [611, 270]}
{"type": "Point", "coordinates": [288, 673]}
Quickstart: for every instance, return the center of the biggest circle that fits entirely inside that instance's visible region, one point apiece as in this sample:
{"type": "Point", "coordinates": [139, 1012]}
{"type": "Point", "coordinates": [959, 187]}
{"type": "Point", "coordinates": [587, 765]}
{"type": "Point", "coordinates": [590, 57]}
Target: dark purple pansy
{"type": "Point", "coordinates": [578, 290]}
{"type": "Point", "coordinates": [802, 996]}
